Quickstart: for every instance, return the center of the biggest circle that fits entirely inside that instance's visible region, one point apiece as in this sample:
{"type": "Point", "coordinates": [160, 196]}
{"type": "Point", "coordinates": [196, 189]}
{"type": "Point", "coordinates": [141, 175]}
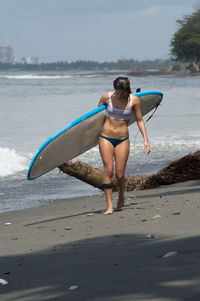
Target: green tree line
{"type": "Point", "coordinates": [81, 65]}
{"type": "Point", "coordinates": [185, 43]}
{"type": "Point", "coordinates": [185, 48]}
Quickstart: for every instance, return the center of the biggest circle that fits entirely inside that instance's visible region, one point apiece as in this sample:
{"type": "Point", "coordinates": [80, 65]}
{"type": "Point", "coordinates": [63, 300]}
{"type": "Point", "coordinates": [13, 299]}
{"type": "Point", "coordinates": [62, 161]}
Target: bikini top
{"type": "Point", "coordinates": [118, 114]}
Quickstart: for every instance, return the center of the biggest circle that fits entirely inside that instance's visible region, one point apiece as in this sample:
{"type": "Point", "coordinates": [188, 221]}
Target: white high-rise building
{"type": "Point", "coordinates": [30, 60]}
{"type": "Point", "coordinates": [7, 54]}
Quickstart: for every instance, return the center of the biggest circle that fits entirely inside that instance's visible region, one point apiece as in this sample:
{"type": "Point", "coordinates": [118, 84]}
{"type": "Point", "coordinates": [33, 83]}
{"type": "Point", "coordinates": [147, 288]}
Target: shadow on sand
{"type": "Point", "coordinates": [117, 267]}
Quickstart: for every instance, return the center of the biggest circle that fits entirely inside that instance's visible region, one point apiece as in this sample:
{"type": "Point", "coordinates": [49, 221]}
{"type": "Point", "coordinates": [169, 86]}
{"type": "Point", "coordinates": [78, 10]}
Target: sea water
{"type": "Point", "coordinates": [35, 105]}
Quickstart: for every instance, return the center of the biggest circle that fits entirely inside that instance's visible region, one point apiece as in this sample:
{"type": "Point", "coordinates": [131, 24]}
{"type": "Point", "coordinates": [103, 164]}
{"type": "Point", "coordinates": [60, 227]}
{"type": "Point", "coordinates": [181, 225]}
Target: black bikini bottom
{"type": "Point", "coordinates": [114, 141]}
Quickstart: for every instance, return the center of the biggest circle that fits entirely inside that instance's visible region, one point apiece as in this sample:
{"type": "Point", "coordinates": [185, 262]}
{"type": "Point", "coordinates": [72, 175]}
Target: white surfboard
{"type": "Point", "coordinates": [79, 136]}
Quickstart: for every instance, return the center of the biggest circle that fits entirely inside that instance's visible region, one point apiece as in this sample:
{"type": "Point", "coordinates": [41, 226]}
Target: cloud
{"type": "Point", "coordinates": [52, 8]}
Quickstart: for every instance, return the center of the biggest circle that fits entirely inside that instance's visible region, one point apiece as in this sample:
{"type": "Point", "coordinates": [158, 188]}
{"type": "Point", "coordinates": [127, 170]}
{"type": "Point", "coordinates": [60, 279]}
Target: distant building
{"type": "Point", "coordinates": [30, 60]}
{"type": "Point", "coordinates": [7, 54]}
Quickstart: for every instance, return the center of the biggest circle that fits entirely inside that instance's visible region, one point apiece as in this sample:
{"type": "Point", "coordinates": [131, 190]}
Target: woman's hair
{"type": "Point", "coordinates": [122, 83]}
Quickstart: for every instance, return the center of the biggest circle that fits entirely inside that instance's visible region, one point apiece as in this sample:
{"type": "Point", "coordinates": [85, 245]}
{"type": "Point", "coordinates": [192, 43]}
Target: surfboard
{"type": "Point", "coordinates": [79, 136]}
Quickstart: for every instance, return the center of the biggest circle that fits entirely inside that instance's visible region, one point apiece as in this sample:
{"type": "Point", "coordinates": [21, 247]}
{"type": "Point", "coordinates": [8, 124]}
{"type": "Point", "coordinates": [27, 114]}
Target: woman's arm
{"type": "Point", "coordinates": [103, 100]}
{"type": "Point", "coordinates": [140, 123]}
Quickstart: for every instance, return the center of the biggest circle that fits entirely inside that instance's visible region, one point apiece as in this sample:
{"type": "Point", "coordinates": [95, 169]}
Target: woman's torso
{"type": "Point", "coordinates": [118, 115]}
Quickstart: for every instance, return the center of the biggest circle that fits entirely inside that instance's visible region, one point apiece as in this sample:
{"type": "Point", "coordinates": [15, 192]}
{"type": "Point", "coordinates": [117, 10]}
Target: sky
{"type": "Point", "coordinates": [95, 30]}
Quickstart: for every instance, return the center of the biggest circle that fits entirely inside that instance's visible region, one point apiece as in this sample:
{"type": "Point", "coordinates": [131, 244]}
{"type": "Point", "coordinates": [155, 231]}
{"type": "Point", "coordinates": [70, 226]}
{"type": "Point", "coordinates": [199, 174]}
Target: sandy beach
{"type": "Point", "coordinates": [68, 250]}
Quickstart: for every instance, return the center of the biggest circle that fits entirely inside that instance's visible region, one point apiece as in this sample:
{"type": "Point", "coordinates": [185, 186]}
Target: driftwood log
{"type": "Point", "coordinates": [181, 170]}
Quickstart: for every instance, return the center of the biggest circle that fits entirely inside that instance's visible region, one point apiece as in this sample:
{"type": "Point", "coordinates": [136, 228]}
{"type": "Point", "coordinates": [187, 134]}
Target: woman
{"type": "Point", "coordinates": [114, 139]}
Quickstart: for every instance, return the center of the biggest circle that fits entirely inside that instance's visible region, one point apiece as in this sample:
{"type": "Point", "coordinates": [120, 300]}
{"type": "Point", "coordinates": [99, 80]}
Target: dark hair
{"type": "Point", "coordinates": [122, 83]}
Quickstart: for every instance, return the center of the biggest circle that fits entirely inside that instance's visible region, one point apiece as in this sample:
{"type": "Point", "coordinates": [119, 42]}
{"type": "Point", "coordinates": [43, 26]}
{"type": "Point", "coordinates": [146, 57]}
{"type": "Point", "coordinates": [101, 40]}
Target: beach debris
{"type": "Point", "coordinates": [143, 220]}
{"type": "Point", "coordinates": [68, 228]}
{"type": "Point", "coordinates": [181, 170]}
{"type": "Point", "coordinates": [151, 235]}
{"type": "Point", "coordinates": [176, 213]}
{"type": "Point", "coordinates": [6, 273]}
{"type": "Point", "coordinates": [157, 216]}
{"type": "Point", "coordinates": [8, 224]}
{"type": "Point", "coordinates": [3, 281]}
{"type": "Point", "coordinates": [73, 287]}
{"type": "Point", "coordinates": [170, 254]}
{"type": "Point", "coordinates": [90, 214]}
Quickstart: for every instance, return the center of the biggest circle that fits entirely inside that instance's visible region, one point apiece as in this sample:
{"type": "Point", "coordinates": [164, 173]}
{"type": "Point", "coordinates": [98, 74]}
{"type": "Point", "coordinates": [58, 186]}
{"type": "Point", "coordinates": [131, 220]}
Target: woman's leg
{"type": "Point", "coordinates": [107, 153]}
{"type": "Point", "coordinates": [121, 156]}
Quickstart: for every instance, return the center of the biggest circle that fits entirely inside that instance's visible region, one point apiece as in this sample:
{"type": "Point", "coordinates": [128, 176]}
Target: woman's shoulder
{"type": "Point", "coordinates": [135, 99]}
{"type": "Point", "coordinates": [105, 97]}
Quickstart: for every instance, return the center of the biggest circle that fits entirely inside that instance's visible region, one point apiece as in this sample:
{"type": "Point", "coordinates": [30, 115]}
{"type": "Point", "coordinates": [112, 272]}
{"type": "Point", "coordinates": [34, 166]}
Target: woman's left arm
{"type": "Point", "coordinates": [140, 123]}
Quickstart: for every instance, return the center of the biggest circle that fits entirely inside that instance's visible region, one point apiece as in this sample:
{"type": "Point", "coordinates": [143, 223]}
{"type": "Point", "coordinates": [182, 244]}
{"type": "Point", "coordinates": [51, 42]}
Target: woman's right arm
{"type": "Point", "coordinates": [103, 100]}
{"type": "Point", "coordinates": [141, 124]}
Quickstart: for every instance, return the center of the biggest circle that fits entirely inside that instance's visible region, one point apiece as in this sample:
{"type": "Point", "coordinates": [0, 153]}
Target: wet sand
{"type": "Point", "coordinates": [47, 250]}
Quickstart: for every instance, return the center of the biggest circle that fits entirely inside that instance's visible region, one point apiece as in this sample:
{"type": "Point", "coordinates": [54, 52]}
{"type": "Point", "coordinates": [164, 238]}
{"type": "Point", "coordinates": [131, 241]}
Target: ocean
{"type": "Point", "coordinates": [35, 105]}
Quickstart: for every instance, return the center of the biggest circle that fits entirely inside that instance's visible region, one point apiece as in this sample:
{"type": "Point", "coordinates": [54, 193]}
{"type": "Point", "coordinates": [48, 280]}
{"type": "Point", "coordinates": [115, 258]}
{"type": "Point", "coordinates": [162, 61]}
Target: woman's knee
{"type": "Point", "coordinates": [109, 173]}
{"type": "Point", "coordinates": [119, 175]}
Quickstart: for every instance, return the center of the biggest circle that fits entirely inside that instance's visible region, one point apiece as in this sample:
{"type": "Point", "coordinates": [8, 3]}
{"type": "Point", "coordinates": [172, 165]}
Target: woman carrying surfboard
{"type": "Point", "coordinates": [114, 139]}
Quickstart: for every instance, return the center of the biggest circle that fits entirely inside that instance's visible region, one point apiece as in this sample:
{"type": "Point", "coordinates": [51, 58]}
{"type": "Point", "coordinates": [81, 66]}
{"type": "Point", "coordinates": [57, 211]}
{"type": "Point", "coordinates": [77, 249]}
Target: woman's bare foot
{"type": "Point", "coordinates": [109, 211]}
{"type": "Point", "coordinates": [120, 203]}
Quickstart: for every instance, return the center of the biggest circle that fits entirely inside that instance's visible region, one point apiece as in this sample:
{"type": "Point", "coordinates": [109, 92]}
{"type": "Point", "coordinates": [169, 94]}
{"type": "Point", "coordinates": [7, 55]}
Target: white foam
{"type": "Point", "coordinates": [164, 147]}
{"type": "Point", "coordinates": [11, 162]}
{"type": "Point", "coordinates": [36, 76]}
{"type": "Point", "coordinates": [175, 143]}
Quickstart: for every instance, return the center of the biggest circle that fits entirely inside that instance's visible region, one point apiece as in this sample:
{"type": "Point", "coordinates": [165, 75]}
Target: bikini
{"type": "Point", "coordinates": [117, 114]}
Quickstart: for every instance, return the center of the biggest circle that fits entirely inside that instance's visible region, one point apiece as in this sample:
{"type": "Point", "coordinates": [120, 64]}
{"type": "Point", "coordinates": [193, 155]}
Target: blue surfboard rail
{"type": "Point", "coordinates": [79, 120]}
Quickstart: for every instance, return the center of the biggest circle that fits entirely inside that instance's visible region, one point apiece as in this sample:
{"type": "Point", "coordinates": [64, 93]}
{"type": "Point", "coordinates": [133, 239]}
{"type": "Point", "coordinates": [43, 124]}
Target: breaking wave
{"type": "Point", "coordinates": [36, 76]}
{"type": "Point", "coordinates": [167, 149]}
{"type": "Point", "coordinates": [12, 162]}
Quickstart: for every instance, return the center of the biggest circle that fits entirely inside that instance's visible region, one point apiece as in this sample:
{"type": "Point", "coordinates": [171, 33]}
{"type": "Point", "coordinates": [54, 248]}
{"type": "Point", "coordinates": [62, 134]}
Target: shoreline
{"type": "Point", "coordinates": [48, 249]}
{"type": "Point", "coordinates": [129, 72]}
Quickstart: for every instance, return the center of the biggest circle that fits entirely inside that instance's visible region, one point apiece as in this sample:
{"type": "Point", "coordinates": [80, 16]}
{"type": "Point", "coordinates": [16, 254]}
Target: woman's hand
{"type": "Point", "coordinates": [147, 147]}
